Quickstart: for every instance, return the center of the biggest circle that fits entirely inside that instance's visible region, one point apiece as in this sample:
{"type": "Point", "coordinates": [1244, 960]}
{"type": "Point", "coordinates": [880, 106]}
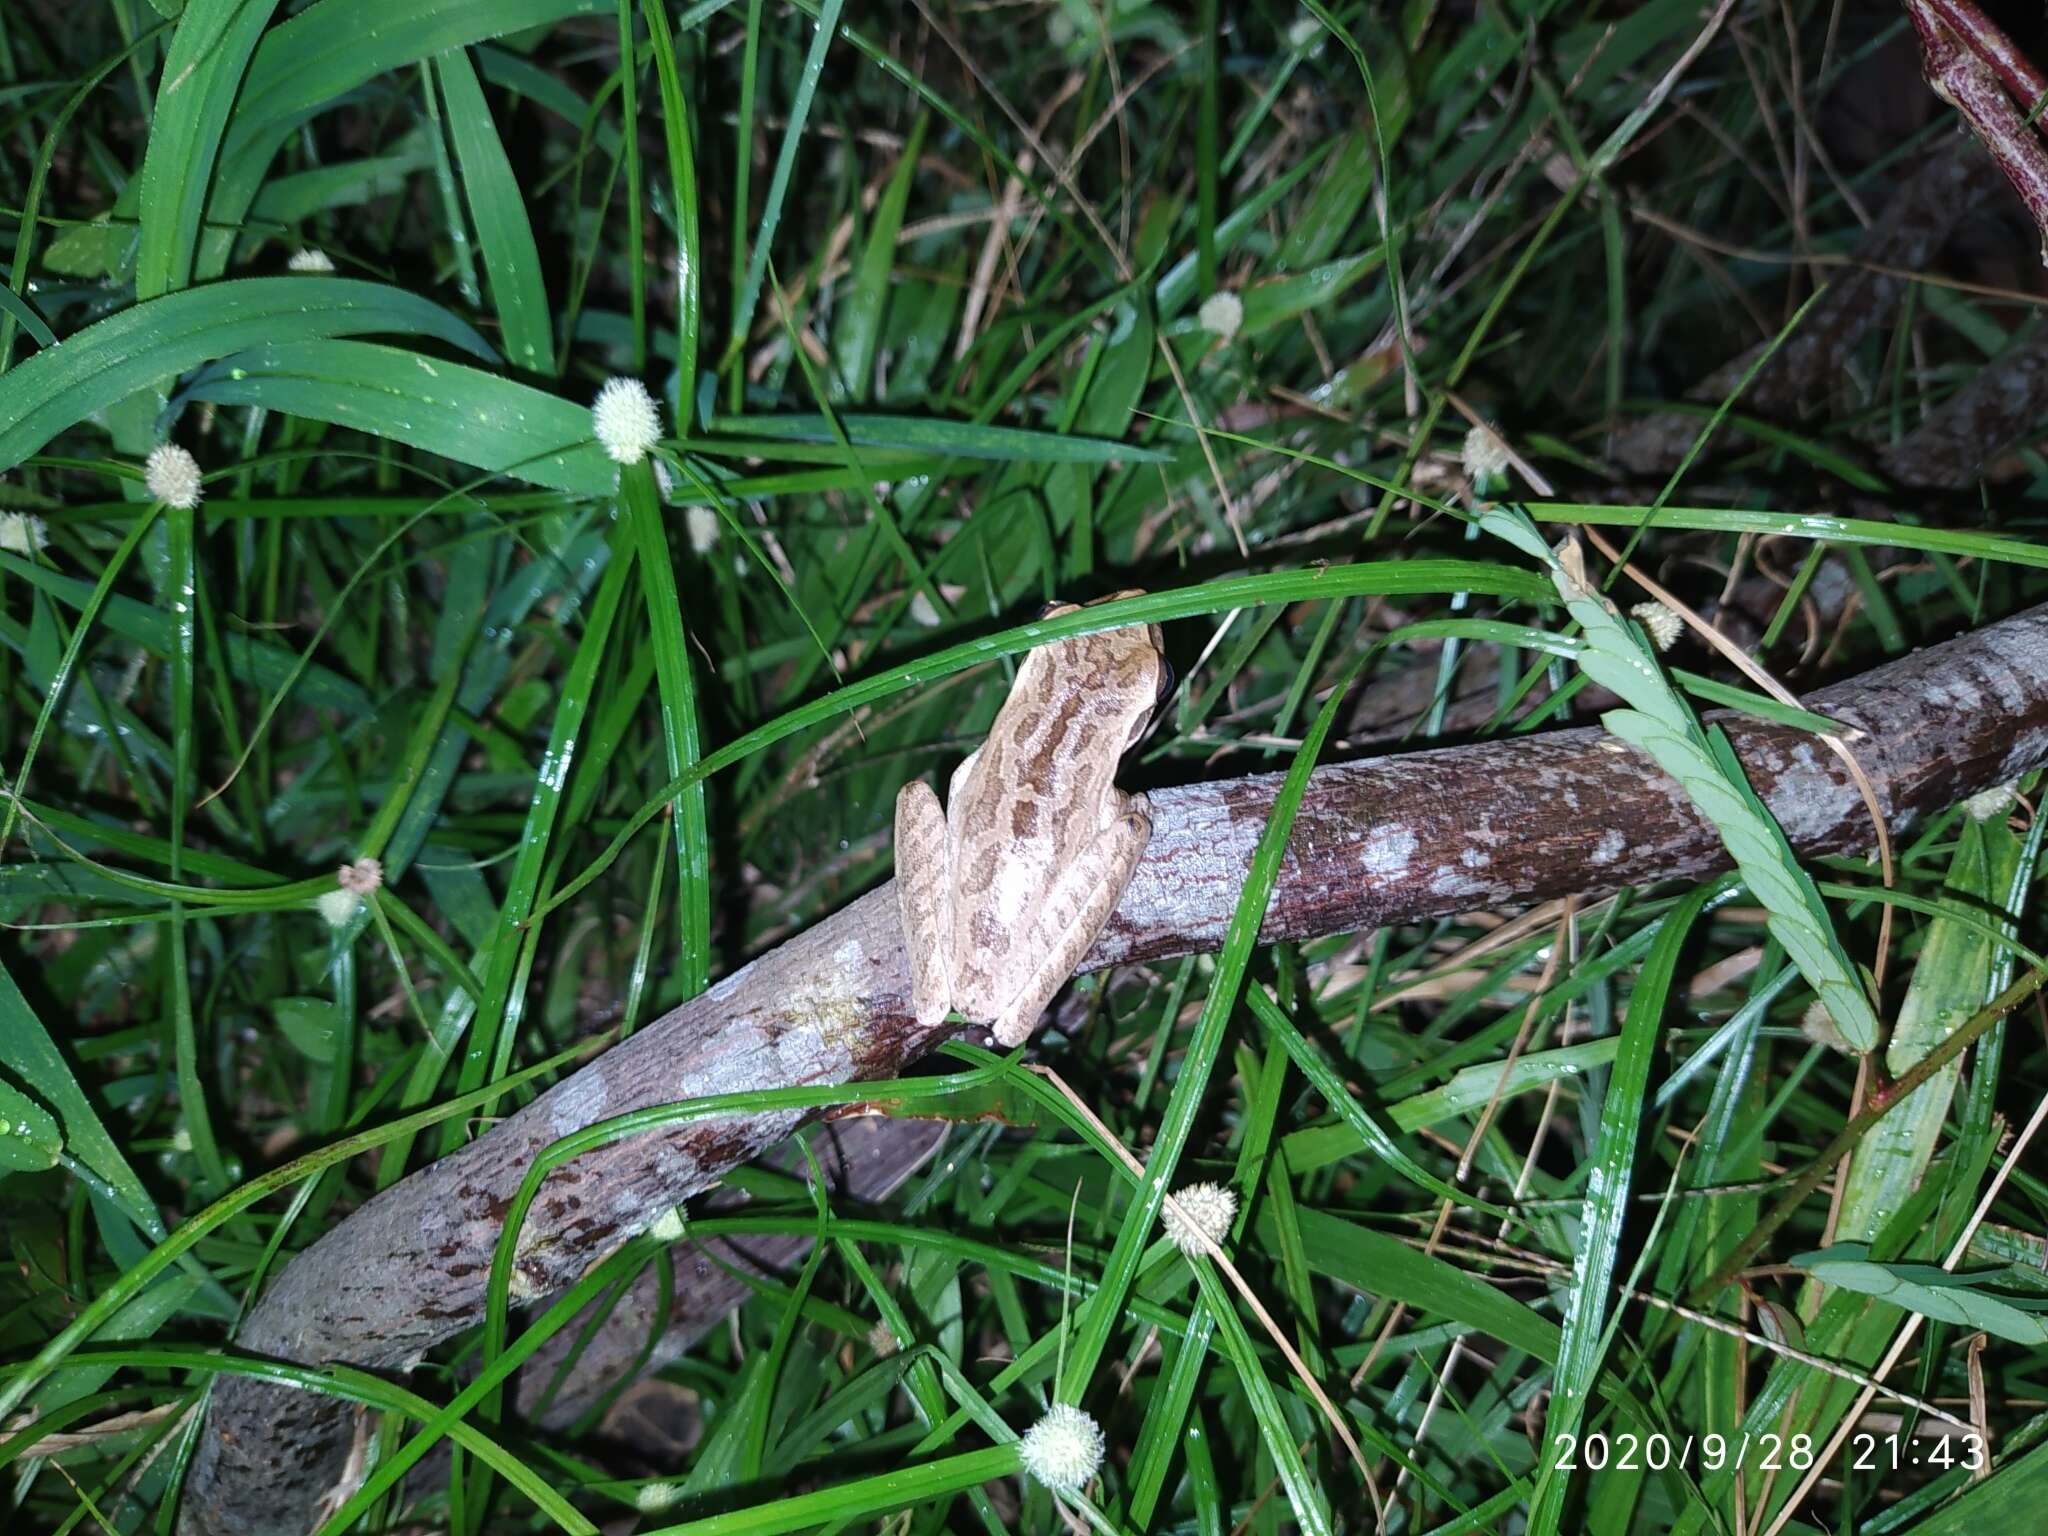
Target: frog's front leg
{"type": "Point", "coordinates": [1073, 914]}
{"type": "Point", "coordinates": [924, 887]}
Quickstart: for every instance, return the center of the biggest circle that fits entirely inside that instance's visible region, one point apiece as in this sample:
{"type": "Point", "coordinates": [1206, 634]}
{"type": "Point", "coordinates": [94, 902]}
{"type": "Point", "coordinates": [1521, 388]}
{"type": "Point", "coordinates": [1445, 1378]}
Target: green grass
{"type": "Point", "coordinates": [925, 365]}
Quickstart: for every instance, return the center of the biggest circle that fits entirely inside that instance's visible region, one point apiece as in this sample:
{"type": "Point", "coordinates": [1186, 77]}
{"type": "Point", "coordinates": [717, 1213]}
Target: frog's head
{"type": "Point", "coordinates": [1146, 673]}
{"type": "Point", "coordinates": [1163, 680]}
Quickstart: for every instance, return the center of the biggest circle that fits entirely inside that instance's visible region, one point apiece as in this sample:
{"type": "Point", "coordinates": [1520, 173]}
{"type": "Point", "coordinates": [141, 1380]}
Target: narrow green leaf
{"type": "Point", "coordinates": [171, 1247]}
{"type": "Point", "coordinates": [681, 745]}
{"type": "Point", "coordinates": [106, 362]}
{"type": "Point", "coordinates": [1472, 1088]}
{"type": "Point", "coordinates": [749, 296]}
{"type": "Point", "coordinates": [967, 440]}
{"type": "Point", "coordinates": [29, 1138]}
{"type": "Point", "coordinates": [1306, 1495]}
{"type": "Point", "coordinates": [203, 71]}
{"type": "Point", "coordinates": [314, 60]}
{"type": "Point", "coordinates": [499, 1009]}
{"type": "Point", "coordinates": [1197, 1062]}
{"type": "Point", "coordinates": [1618, 658]}
{"type": "Point", "coordinates": [682, 170]}
{"type": "Point", "coordinates": [1762, 706]}
{"type": "Point", "coordinates": [179, 595]}
{"type": "Point", "coordinates": [857, 323]}
{"type": "Point", "coordinates": [496, 207]}
{"type": "Point", "coordinates": [21, 310]}
{"type": "Point", "coordinates": [30, 1055]}
{"type": "Point", "coordinates": [1331, 1086]}
{"type": "Point", "coordinates": [268, 666]}
{"type": "Point", "coordinates": [1952, 978]}
{"type": "Point", "coordinates": [2006, 1503]}
{"type": "Point", "coordinates": [312, 1024]}
{"type": "Point", "coordinates": [464, 413]}
{"type": "Point", "coordinates": [1930, 1291]}
{"type": "Point", "coordinates": [1803, 525]}
{"type": "Point", "coordinates": [1606, 1207]}
{"type": "Point", "coordinates": [1281, 299]}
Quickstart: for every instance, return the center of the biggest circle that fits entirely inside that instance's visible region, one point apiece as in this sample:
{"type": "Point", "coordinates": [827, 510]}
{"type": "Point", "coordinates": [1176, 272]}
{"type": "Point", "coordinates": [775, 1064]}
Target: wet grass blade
{"type": "Point", "coordinates": [641, 504]}
{"type": "Point", "coordinates": [203, 70]}
{"type": "Point", "coordinates": [61, 386]}
{"type": "Point", "coordinates": [1583, 1340]}
{"type": "Point", "coordinates": [503, 231]}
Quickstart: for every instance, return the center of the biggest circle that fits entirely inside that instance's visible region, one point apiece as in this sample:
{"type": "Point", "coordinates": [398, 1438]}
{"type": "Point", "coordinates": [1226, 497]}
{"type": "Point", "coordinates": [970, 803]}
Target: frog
{"type": "Point", "coordinates": [1004, 891]}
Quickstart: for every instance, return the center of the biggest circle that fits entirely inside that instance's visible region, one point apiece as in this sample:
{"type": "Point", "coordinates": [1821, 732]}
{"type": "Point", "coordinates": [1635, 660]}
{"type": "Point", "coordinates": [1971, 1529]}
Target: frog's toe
{"type": "Point", "coordinates": [1013, 1029]}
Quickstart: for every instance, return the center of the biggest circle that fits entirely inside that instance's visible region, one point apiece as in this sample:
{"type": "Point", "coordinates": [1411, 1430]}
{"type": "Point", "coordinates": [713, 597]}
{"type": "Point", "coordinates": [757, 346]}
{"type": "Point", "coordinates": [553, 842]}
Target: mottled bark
{"type": "Point", "coordinates": [1804, 371]}
{"type": "Point", "coordinates": [867, 1157]}
{"type": "Point", "coordinates": [1388, 840]}
{"type": "Point", "coordinates": [1956, 445]}
{"type": "Point", "coordinates": [1969, 64]}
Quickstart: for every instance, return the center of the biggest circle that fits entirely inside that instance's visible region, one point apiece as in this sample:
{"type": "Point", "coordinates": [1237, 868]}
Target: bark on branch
{"type": "Point", "coordinates": [1383, 841]}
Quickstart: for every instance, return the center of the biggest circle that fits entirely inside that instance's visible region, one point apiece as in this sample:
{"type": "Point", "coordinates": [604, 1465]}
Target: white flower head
{"type": "Point", "coordinates": [23, 533]}
{"type": "Point", "coordinates": [652, 1498]}
{"type": "Point", "coordinates": [1200, 1210]}
{"type": "Point", "coordinates": [306, 259]}
{"type": "Point", "coordinates": [338, 906]}
{"type": "Point", "coordinates": [1985, 805]}
{"type": "Point", "coordinates": [1485, 456]}
{"type": "Point", "coordinates": [1063, 1449]}
{"type": "Point", "coordinates": [1664, 626]}
{"type": "Point", "coordinates": [882, 1340]}
{"type": "Point", "coordinates": [1221, 314]}
{"type": "Point", "coordinates": [172, 476]}
{"type": "Point", "coordinates": [626, 420]}
{"type": "Point", "coordinates": [702, 525]}
{"type": "Point", "coordinates": [365, 877]}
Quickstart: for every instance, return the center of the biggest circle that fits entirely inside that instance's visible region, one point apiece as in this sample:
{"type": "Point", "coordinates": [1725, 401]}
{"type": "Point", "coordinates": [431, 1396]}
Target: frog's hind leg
{"type": "Point", "coordinates": [1076, 908]}
{"type": "Point", "coordinates": [923, 879]}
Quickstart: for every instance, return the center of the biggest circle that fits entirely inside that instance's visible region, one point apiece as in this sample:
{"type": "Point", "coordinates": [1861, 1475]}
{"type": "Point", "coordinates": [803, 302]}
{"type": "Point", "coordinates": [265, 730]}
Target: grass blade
{"type": "Point", "coordinates": [503, 231]}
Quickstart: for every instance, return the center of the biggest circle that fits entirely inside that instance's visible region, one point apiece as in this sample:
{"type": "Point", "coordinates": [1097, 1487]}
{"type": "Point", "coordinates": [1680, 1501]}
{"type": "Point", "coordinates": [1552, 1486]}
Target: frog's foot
{"type": "Point", "coordinates": [921, 886]}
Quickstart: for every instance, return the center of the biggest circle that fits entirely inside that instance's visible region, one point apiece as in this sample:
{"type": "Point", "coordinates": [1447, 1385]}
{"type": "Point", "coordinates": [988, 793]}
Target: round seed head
{"type": "Point", "coordinates": [172, 476]}
{"type": "Point", "coordinates": [652, 1498]}
{"type": "Point", "coordinates": [1200, 1210]}
{"type": "Point", "coordinates": [306, 259]}
{"type": "Point", "coordinates": [1664, 626]}
{"type": "Point", "coordinates": [626, 420]}
{"type": "Point", "coordinates": [23, 533]}
{"type": "Point", "coordinates": [1063, 1449]}
{"type": "Point", "coordinates": [1985, 805]}
{"type": "Point", "coordinates": [365, 877]}
{"type": "Point", "coordinates": [1485, 456]}
{"type": "Point", "coordinates": [1818, 1025]}
{"type": "Point", "coordinates": [338, 906]}
{"type": "Point", "coordinates": [1221, 314]}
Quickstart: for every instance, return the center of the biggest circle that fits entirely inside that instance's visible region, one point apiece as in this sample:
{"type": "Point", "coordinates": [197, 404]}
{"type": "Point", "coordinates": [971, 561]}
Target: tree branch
{"type": "Point", "coordinates": [1389, 840]}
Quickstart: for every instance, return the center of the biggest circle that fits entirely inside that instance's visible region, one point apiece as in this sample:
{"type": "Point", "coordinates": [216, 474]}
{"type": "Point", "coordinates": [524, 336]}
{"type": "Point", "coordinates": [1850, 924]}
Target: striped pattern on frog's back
{"type": "Point", "coordinates": [1003, 895]}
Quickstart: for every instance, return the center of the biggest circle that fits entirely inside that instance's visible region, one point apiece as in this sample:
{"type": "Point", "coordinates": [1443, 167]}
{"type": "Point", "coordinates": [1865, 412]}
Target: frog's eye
{"type": "Point", "coordinates": [1163, 676]}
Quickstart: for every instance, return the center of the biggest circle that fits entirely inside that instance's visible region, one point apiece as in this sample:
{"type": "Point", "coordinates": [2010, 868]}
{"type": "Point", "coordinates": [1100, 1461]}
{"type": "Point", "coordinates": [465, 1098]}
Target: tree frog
{"type": "Point", "coordinates": [1004, 891]}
